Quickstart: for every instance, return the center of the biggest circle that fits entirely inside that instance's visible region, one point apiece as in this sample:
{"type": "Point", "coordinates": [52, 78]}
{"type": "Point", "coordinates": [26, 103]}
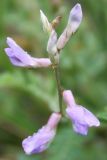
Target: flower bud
{"type": "Point", "coordinates": [46, 25]}
{"type": "Point", "coordinates": [52, 49]}
{"type": "Point", "coordinates": [74, 21]}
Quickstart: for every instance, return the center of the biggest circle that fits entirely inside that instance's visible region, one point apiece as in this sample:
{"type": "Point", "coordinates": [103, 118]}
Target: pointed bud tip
{"type": "Point", "coordinates": [41, 12]}
{"type": "Point", "coordinates": [66, 92]}
{"type": "Point", "coordinates": [46, 24]}
{"type": "Point", "coordinates": [77, 9]}
{"type": "Point", "coordinates": [10, 42]}
{"type": "Point", "coordinates": [8, 39]}
{"type": "Point", "coordinates": [77, 6]}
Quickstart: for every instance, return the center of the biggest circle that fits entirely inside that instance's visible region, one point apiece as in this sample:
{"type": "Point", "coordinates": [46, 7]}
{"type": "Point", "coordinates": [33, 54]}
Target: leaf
{"type": "Point", "coordinates": [30, 84]}
{"type": "Point", "coordinates": [103, 115]}
{"type": "Point", "coordinates": [68, 145]}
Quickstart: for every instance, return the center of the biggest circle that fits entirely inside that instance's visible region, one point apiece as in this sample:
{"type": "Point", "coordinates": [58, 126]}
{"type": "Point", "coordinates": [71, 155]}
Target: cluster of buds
{"type": "Point", "coordinates": [81, 118]}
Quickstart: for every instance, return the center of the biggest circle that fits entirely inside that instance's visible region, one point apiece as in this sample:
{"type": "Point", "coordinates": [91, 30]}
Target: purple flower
{"type": "Point", "coordinates": [19, 57]}
{"type": "Point", "coordinates": [81, 118]}
{"type": "Point", "coordinates": [41, 140]}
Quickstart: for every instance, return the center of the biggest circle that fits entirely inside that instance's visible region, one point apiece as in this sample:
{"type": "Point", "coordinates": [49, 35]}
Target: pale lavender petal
{"type": "Point", "coordinates": [90, 118]}
{"type": "Point", "coordinates": [15, 59]}
{"type": "Point", "coordinates": [41, 140]}
{"type": "Point", "coordinates": [77, 117]}
{"type": "Point", "coordinates": [52, 48]}
{"type": "Point", "coordinates": [81, 119]}
{"type": "Point", "coordinates": [19, 52]}
{"type": "Point", "coordinates": [63, 39]}
{"type": "Point", "coordinates": [68, 98]}
{"type": "Point", "coordinates": [54, 120]}
{"type": "Point", "coordinates": [74, 21]}
{"type": "Point", "coordinates": [17, 62]}
{"type": "Point", "coordinates": [80, 128]}
{"type": "Point", "coordinates": [42, 62]}
{"type": "Point", "coordinates": [75, 18]}
{"type": "Point", "coordinates": [76, 114]}
{"type": "Point", "coordinates": [19, 57]}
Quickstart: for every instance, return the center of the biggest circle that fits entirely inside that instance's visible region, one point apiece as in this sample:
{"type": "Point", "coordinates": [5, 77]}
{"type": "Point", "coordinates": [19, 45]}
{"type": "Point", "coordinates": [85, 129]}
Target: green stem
{"type": "Point", "coordinates": [57, 76]}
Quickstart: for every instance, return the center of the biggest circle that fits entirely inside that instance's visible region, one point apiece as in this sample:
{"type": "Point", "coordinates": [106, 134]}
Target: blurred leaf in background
{"type": "Point", "coordinates": [27, 96]}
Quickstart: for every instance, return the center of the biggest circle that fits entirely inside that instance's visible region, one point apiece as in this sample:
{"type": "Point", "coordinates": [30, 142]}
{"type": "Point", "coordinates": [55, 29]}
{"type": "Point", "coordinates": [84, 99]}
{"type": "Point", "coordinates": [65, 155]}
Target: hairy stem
{"type": "Point", "coordinates": [57, 77]}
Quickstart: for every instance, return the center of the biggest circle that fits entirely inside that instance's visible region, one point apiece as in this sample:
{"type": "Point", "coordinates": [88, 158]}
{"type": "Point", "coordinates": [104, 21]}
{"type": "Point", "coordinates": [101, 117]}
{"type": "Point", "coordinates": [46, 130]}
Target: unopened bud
{"type": "Point", "coordinates": [74, 21]}
{"type": "Point", "coordinates": [46, 25]}
{"type": "Point", "coordinates": [52, 49]}
{"type": "Point", "coordinates": [75, 18]}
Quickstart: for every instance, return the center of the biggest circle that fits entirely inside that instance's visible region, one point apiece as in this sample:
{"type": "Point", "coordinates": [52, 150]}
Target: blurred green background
{"type": "Point", "coordinates": [28, 96]}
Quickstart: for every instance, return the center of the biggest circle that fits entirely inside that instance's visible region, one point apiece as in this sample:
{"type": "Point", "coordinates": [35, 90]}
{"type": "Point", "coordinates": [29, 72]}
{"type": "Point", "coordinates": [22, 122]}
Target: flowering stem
{"type": "Point", "coordinates": [57, 76]}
